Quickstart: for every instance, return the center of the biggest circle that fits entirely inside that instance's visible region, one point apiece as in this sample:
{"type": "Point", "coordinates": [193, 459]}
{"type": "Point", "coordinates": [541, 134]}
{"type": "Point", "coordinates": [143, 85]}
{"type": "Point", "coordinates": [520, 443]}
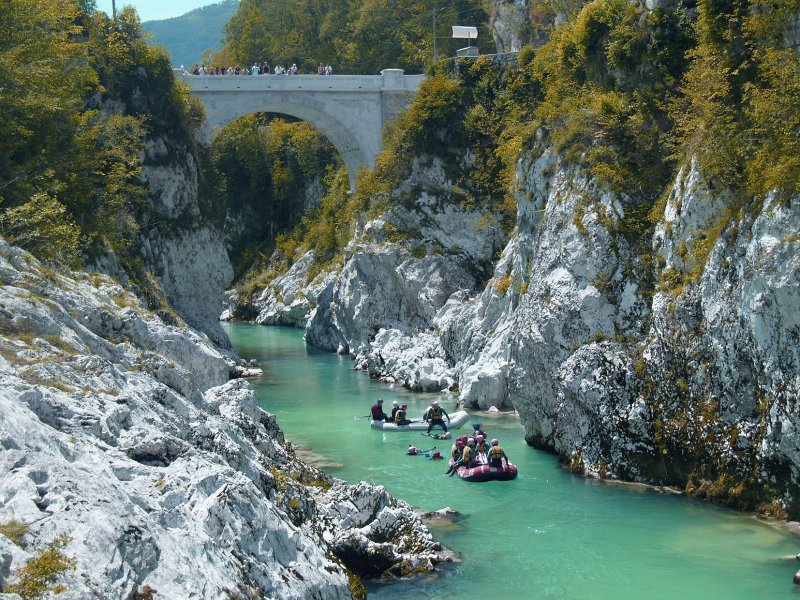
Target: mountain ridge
{"type": "Point", "coordinates": [205, 25]}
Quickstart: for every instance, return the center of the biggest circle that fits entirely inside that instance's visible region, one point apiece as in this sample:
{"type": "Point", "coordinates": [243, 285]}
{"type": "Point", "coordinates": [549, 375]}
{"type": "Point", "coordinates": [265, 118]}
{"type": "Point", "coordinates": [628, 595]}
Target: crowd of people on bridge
{"type": "Point", "coordinates": [257, 69]}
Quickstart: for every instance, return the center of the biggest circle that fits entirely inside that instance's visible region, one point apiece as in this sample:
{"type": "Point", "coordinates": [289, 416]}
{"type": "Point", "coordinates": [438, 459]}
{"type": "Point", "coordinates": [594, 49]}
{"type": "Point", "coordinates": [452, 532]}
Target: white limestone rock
{"type": "Point", "coordinates": [123, 434]}
{"type": "Point", "coordinates": [417, 362]}
{"type": "Point", "coordinates": [397, 277]}
{"type": "Point", "coordinates": [510, 24]}
{"type": "Point", "coordinates": [183, 250]}
{"type": "Point", "coordinates": [290, 298]}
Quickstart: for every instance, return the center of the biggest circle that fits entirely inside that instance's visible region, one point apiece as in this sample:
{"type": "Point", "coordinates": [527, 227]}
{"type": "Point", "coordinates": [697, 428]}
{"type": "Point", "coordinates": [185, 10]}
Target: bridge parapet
{"type": "Point", "coordinates": [389, 79]}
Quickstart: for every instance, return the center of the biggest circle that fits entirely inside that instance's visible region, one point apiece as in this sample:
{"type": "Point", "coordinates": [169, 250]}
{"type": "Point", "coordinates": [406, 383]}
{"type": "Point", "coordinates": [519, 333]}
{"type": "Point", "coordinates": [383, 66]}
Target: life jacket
{"type": "Point", "coordinates": [455, 452]}
{"type": "Point", "coordinates": [468, 455]}
{"type": "Point", "coordinates": [436, 413]}
{"type": "Point", "coordinates": [482, 447]}
{"type": "Point", "coordinates": [400, 415]}
{"type": "Point", "coordinates": [496, 453]}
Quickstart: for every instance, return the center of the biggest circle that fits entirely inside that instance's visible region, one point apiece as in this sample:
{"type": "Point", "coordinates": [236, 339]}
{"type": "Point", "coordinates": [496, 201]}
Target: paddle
{"type": "Point", "coordinates": [357, 417]}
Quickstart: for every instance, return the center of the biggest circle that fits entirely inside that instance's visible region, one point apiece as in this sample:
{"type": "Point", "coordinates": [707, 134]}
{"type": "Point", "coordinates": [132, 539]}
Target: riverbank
{"type": "Point", "coordinates": [133, 456]}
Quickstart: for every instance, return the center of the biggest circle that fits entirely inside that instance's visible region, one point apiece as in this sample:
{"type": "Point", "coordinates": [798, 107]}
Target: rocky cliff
{"type": "Point", "coordinates": [131, 459]}
{"type": "Point", "coordinates": [180, 245]}
{"type": "Point", "coordinates": [672, 359]}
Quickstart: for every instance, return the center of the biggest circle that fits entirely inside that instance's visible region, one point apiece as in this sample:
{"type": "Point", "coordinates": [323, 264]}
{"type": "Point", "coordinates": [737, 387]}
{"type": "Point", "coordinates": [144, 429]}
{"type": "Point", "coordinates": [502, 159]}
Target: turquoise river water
{"type": "Point", "coordinates": [548, 534]}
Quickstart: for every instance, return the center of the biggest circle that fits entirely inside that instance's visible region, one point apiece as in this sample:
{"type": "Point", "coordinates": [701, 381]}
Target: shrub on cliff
{"type": "Point", "coordinates": [606, 76]}
{"type": "Point", "coordinates": [740, 109]}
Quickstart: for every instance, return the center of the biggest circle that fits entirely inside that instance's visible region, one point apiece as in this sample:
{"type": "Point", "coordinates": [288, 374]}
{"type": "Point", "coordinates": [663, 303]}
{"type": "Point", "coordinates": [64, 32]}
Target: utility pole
{"type": "Point", "coordinates": [114, 9]}
{"type": "Point", "coordinates": [435, 55]}
{"type": "Point", "coordinates": [436, 11]}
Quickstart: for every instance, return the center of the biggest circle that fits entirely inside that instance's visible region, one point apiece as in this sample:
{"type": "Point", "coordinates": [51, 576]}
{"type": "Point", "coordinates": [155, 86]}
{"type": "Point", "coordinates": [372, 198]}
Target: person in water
{"type": "Point", "coordinates": [496, 455]}
{"type": "Point", "coordinates": [377, 411]}
{"type": "Point", "coordinates": [400, 416]}
{"type": "Point", "coordinates": [434, 416]}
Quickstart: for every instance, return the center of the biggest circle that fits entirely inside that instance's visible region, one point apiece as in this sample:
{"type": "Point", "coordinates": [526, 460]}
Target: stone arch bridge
{"type": "Point", "coordinates": [351, 110]}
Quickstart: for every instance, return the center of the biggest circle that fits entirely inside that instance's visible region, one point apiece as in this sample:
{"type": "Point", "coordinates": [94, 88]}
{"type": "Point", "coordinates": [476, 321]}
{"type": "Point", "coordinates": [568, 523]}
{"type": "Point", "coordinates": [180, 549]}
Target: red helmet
{"type": "Point", "coordinates": [405, 406]}
{"type": "Point", "coordinates": [437, 454]}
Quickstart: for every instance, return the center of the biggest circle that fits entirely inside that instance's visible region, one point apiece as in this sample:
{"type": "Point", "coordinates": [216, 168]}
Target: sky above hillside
{"type": "Point", "coordinates": [152, 10]}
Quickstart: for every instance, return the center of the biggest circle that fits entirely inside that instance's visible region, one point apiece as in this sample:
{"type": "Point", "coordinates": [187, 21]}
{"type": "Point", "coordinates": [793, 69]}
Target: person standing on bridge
{"type": "Point", "coordinates": [321, 69]}
{"type": "Point", "coordinates": [255, 69]}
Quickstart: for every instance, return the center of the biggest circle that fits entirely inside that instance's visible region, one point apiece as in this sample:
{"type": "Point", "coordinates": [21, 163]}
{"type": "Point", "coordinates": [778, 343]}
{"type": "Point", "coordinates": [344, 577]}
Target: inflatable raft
{"type": "Point", "coordinates": [457, 419]}
{"type": "Point", "coordinates": [486, 473]}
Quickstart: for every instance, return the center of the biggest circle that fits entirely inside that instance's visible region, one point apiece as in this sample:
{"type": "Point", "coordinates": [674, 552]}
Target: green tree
{"type": "Point", "coordinates": [63, 144]}
{"type": "Point", "coordinates": [43, 227]}
{"type": "Point", "coordinates": [261, 167]}
{"type": "Point", "coordinates": [740, 109]}
{"type": "Point", "coordinates": [42, 85]}
{"type": "Point", "coordinates": [360, 36]}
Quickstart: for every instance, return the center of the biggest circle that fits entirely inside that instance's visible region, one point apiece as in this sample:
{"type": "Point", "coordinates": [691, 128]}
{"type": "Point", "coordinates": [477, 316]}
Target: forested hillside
{"type": "Point", "coordinates": [187, 37]}
{"type": "Point", "coordinates": [355, 37]}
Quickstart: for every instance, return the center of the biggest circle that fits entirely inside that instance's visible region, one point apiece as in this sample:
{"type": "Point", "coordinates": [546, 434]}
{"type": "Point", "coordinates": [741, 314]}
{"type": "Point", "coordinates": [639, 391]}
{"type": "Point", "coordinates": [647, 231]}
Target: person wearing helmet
{"type": "Point", "coordinates": [435, 456]}
{"type": "Point", "coordinates": [455, 453]}
{"type": "Point", "coordinates": [434, 415]}
{"type": "Point", "coordinates": [377, 411]}
{"type": "Point", "coordinates": [476, 430]}
{"type": "Point", "coordinates": [482, 449]}
{"type": "Point", "coordinates": [469, 455]}
{"type": "Point", "coordinates": [457, 449]}
{"type": "Point", "coordinates": [496, 455]}
{"type": "Point", "coordinates": [400, 416]}
{"type": "Point", "coordinates": [395, 408]}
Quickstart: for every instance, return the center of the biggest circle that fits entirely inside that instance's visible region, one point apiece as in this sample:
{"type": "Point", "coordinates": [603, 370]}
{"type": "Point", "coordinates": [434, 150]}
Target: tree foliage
{"type": "Point", "coordinates": [260, 168]}
{"type": "Point", "coordinates": [740, 108]}
{"type": "Point", "coordinates": [43, 227]}
{"type": "Point", "coordinates": [68, 153]}
{"type": "Point", "coordinates": [606, 76]}
{"type": "Point", "coordinates": [360, 36]}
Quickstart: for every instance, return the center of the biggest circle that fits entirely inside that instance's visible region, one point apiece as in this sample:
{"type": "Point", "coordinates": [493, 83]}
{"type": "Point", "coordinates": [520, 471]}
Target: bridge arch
{"type": "Point", "coordinates": [351, 110]}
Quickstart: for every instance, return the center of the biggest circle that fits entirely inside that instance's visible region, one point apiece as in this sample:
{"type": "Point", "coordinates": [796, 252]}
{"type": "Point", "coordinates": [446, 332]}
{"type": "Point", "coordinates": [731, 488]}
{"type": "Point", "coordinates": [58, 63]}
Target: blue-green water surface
{"type": "Point", "coordinates": [548, 534]}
